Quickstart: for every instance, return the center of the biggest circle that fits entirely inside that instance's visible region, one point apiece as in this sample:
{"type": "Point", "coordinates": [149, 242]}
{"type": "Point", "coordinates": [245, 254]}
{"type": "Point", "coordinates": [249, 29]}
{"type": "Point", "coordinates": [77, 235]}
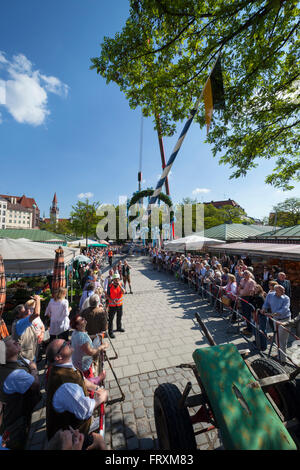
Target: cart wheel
{"type": "Point", "coordinates": [173, 425]}
{"type": "Point", "coordinates": [284, 395]}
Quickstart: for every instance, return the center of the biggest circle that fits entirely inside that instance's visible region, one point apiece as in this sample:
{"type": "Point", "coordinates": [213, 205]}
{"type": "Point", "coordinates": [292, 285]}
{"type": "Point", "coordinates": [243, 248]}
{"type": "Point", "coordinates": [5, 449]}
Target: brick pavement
{"type": "Point", "coordinates": [161, 333]}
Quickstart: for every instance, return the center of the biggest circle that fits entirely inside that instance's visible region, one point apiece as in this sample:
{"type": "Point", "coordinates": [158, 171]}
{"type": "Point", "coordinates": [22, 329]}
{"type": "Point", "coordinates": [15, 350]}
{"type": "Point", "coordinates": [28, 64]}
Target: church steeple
{"type": "Point", "coordinates": [54, 210]}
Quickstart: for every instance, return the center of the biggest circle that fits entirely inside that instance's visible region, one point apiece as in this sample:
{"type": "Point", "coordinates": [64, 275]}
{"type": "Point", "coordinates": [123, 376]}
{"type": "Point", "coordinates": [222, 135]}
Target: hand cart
{"type": "Point", "coordinates": [234, 399]}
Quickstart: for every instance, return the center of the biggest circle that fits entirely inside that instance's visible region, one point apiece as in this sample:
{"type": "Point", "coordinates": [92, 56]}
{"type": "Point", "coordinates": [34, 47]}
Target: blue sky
{"type": "Point", "coordinates": [63, 130]}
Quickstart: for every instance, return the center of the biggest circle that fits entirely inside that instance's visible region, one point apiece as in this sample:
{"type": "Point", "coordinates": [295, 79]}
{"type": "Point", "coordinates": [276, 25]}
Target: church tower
{"type": "Point", "coordinates": [54, 211]}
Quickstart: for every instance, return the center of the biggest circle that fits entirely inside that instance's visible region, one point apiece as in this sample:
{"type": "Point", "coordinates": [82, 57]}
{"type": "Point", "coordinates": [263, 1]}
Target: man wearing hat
{"type": "Point", "coordinates": [115, 294]}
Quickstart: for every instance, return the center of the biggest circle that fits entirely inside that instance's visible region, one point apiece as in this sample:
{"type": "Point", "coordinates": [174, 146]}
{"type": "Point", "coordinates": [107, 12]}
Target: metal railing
{"type": "Point", "coordinates": [213, 294]}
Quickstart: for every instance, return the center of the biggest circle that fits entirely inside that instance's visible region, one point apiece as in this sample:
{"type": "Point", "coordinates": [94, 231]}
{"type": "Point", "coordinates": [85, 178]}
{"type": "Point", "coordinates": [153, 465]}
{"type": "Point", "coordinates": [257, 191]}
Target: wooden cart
{"type": "Point", "coordinates": [254, 406]}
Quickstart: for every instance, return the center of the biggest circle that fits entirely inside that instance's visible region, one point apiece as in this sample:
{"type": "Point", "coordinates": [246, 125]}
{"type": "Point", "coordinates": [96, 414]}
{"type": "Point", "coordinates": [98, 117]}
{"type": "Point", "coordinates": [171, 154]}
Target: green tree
{"type": "Point", "coordinates": [286, 213]}
{"type": "Point", "coordinates": [84, 219]}
{"type": "Point", "coordinates": [233, 214]}
{"type": "Point", "coordinates": [63, 227]}
{"type": "Point", "coordinates": [165, 51]}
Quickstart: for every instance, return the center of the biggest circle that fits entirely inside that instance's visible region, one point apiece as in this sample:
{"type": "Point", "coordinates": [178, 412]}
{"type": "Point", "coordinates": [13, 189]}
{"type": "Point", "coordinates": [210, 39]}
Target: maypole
{"type": "Point", "coordinates": [208, 92]}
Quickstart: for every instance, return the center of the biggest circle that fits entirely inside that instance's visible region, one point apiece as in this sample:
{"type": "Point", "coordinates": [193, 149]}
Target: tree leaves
{"type": "Point", "coordinates": [162, 57]}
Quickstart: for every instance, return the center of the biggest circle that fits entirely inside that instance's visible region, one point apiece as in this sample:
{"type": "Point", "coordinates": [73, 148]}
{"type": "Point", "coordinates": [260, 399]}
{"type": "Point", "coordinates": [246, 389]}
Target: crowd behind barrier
{"type": "Point", "coordinates": [260, 302]}
{"type": "Point", "coordinates": [73, 339]}
{"type": "Point", "coordinates": [75, 382]}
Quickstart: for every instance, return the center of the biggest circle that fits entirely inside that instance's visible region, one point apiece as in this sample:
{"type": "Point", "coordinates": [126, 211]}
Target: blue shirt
{"type": "Point", "coordinates": [22, 325]}
{"type": "Point", "coordinates": [280, 305]}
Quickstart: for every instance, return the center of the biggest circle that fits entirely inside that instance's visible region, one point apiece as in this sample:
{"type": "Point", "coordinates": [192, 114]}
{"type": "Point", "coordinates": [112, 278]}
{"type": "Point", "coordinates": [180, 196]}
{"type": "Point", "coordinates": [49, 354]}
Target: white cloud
{"type": "Point", "coordinates": [25, 93]}
{"type": "Point", "coordinates": [2, 92]}
{"type": "Point", "coordinates": [201, 191]}
{"type": "Point", "coordinates": [2, 58]}
{"type": "Point", "coordinates": [54, 85]}
{"type": "Point", "coordinates": [85, 195]}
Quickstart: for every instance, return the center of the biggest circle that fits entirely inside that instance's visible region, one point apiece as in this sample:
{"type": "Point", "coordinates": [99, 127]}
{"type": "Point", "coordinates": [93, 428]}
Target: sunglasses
{"type": "Point", "coordinates": [65, 343]}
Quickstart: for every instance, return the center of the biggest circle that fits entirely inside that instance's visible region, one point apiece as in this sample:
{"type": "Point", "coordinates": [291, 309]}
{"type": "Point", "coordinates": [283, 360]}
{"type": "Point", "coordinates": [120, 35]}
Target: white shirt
{"type": "Point", "coordinates": [58, 311]}
{"type": "Point", "coordinates": [18, 381]}
{"type": "Point", "coordinates": [70, 397]}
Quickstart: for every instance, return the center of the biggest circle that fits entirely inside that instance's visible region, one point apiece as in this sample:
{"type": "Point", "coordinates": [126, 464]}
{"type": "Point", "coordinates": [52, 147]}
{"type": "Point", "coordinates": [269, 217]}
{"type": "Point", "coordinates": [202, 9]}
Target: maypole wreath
{"type": "Point", "coordinates": [148, 193]}
{"type": "Point", "coordinates": [161, 197]}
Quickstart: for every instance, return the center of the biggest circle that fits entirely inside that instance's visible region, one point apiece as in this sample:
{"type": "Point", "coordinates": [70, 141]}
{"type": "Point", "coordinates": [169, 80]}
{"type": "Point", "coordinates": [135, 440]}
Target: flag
{"type": "Point", "coordinates": [213, 93]}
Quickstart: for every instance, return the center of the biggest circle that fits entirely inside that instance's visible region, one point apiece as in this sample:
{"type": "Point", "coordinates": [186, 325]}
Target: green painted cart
{"type": "Point", "coordinates": [240, 399]}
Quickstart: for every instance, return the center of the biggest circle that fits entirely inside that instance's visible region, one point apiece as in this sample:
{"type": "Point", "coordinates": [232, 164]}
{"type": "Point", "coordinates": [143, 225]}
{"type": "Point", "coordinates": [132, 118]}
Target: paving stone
{"type": "Point", "coordinates": [118, 441]}
{"type": "Point", "coordinates": [134, 379]}
{"type": "Point", "coordinates": [127, 407]}
{"type": "Point", "coordinates": [134, 386]}
{"type": "Point", "coordinates": [116, 417]}
{"type": "Point", "coordinates": [137, 404]}
{"type": "Point", "coordinates": [152, 375]}
{"type": "Point", "coordinates": [124, 381]}
{"type": "Point", "coordinates": [161, 373]}
{"type": "Point", "coordinates": [112, 384]}
{"type": "Point", "coordinates": [162, 380]}
{"type": "Point", "coordinates": [142, 427]}
{"type": "Point", "coordinates": [152, 426]}
{"type": "Point", "coordinates": [144, 377]}
{"type": "Point", "coordinates": [144, 384]}
{"type": "Point", "coordinates": [129, 419]}
{"type": "Point", "coordinates": [148, 402]}
{"type": "Point", "coordinates": [138, 395]}
{"type": "Point", "coordinates": [150, 411]}
{"type": "Point", "coordinates": [148, 392]}
{"type": "Point", "coordinates": [153, 382]}
{"type": "Point", "coordinates": [128, 395]}
{"type": "Point", "coordinates": [139, 412]}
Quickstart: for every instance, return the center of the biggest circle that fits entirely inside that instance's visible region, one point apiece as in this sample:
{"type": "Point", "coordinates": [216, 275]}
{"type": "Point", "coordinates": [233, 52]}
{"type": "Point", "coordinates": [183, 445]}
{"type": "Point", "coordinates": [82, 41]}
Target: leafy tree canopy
{"type": "Point", "coordinates": [287, 213]}
{"type": "Point", "coordinates": [84, 218]}
{"type": "Point", "coordinates": [165, 51]}
{"type": "Point", "coordinates": [61, 227]}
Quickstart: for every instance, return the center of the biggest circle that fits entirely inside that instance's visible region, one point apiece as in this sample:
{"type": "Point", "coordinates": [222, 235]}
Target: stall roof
{"type": "Point", "coordinates": [229, 232]}
{"type": "Point", "coordinates": [282, 233]}
{"type": "Point", "coordinates": [274, 250]}
{"type": "Point", "coordinates": [35, 235]}
{"type": "Point", "coordinates": [30, 258]}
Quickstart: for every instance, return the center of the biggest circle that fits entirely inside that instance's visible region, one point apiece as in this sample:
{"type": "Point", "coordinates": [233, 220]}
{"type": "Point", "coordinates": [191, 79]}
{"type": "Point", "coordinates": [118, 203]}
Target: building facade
{"type": "Point", "coordinates": [3, 210]}
{"type": "Point", "coordinates": [18, 212]}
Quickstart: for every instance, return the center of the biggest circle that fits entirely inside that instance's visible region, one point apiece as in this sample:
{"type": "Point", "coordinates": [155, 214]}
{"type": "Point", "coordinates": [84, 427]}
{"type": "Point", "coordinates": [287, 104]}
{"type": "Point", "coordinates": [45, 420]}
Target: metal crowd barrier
{"type": "Point", "coordinates": [205, 292]}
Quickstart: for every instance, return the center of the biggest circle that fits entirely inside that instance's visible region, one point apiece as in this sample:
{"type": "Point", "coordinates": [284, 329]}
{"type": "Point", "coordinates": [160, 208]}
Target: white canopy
{"type": "Point", "coordinates": [190, 243]}
{"type": "Point", "coordinates": [31, 258]}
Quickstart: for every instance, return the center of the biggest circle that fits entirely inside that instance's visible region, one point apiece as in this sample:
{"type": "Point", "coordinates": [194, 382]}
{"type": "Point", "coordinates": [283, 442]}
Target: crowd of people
{"type": "Point", "coordinates": [75, 378]}
{"type": "Point", "coordinates": [256, 297]}
{"type": "Point", "coordinates": [75, 350]}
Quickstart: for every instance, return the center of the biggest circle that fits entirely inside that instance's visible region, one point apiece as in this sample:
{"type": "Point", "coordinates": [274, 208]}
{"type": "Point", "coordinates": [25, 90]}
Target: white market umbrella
{"type": "Point", "coordinates": [190, 243]}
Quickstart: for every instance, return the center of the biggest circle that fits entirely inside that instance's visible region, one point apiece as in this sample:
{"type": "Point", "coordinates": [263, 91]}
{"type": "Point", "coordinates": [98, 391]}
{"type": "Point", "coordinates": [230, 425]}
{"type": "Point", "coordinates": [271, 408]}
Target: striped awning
{"type": "Point", "coordinates": [59, 279]}
{"type": "Point", "coordinates": [3, 329]}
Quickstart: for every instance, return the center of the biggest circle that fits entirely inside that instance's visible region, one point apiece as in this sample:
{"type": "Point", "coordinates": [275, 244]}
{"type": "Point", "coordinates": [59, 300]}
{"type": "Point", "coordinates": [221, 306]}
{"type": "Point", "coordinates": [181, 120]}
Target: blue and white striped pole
{"type": "Point", "coordinates": [173, 156]}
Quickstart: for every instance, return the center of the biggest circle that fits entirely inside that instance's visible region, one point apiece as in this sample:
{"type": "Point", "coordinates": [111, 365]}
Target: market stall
{"type": "Point", "coordinates": [190, 243]}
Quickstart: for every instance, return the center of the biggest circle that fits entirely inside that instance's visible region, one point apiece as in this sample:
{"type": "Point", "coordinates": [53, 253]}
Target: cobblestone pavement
{"type": "Point", "coordinates": [161, 333]}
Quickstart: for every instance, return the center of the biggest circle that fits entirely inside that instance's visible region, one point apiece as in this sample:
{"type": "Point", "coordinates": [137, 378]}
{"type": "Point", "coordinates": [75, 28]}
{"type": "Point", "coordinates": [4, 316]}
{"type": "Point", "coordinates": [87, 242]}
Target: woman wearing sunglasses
{"type": "Point", "coordinates": [84, 351]}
